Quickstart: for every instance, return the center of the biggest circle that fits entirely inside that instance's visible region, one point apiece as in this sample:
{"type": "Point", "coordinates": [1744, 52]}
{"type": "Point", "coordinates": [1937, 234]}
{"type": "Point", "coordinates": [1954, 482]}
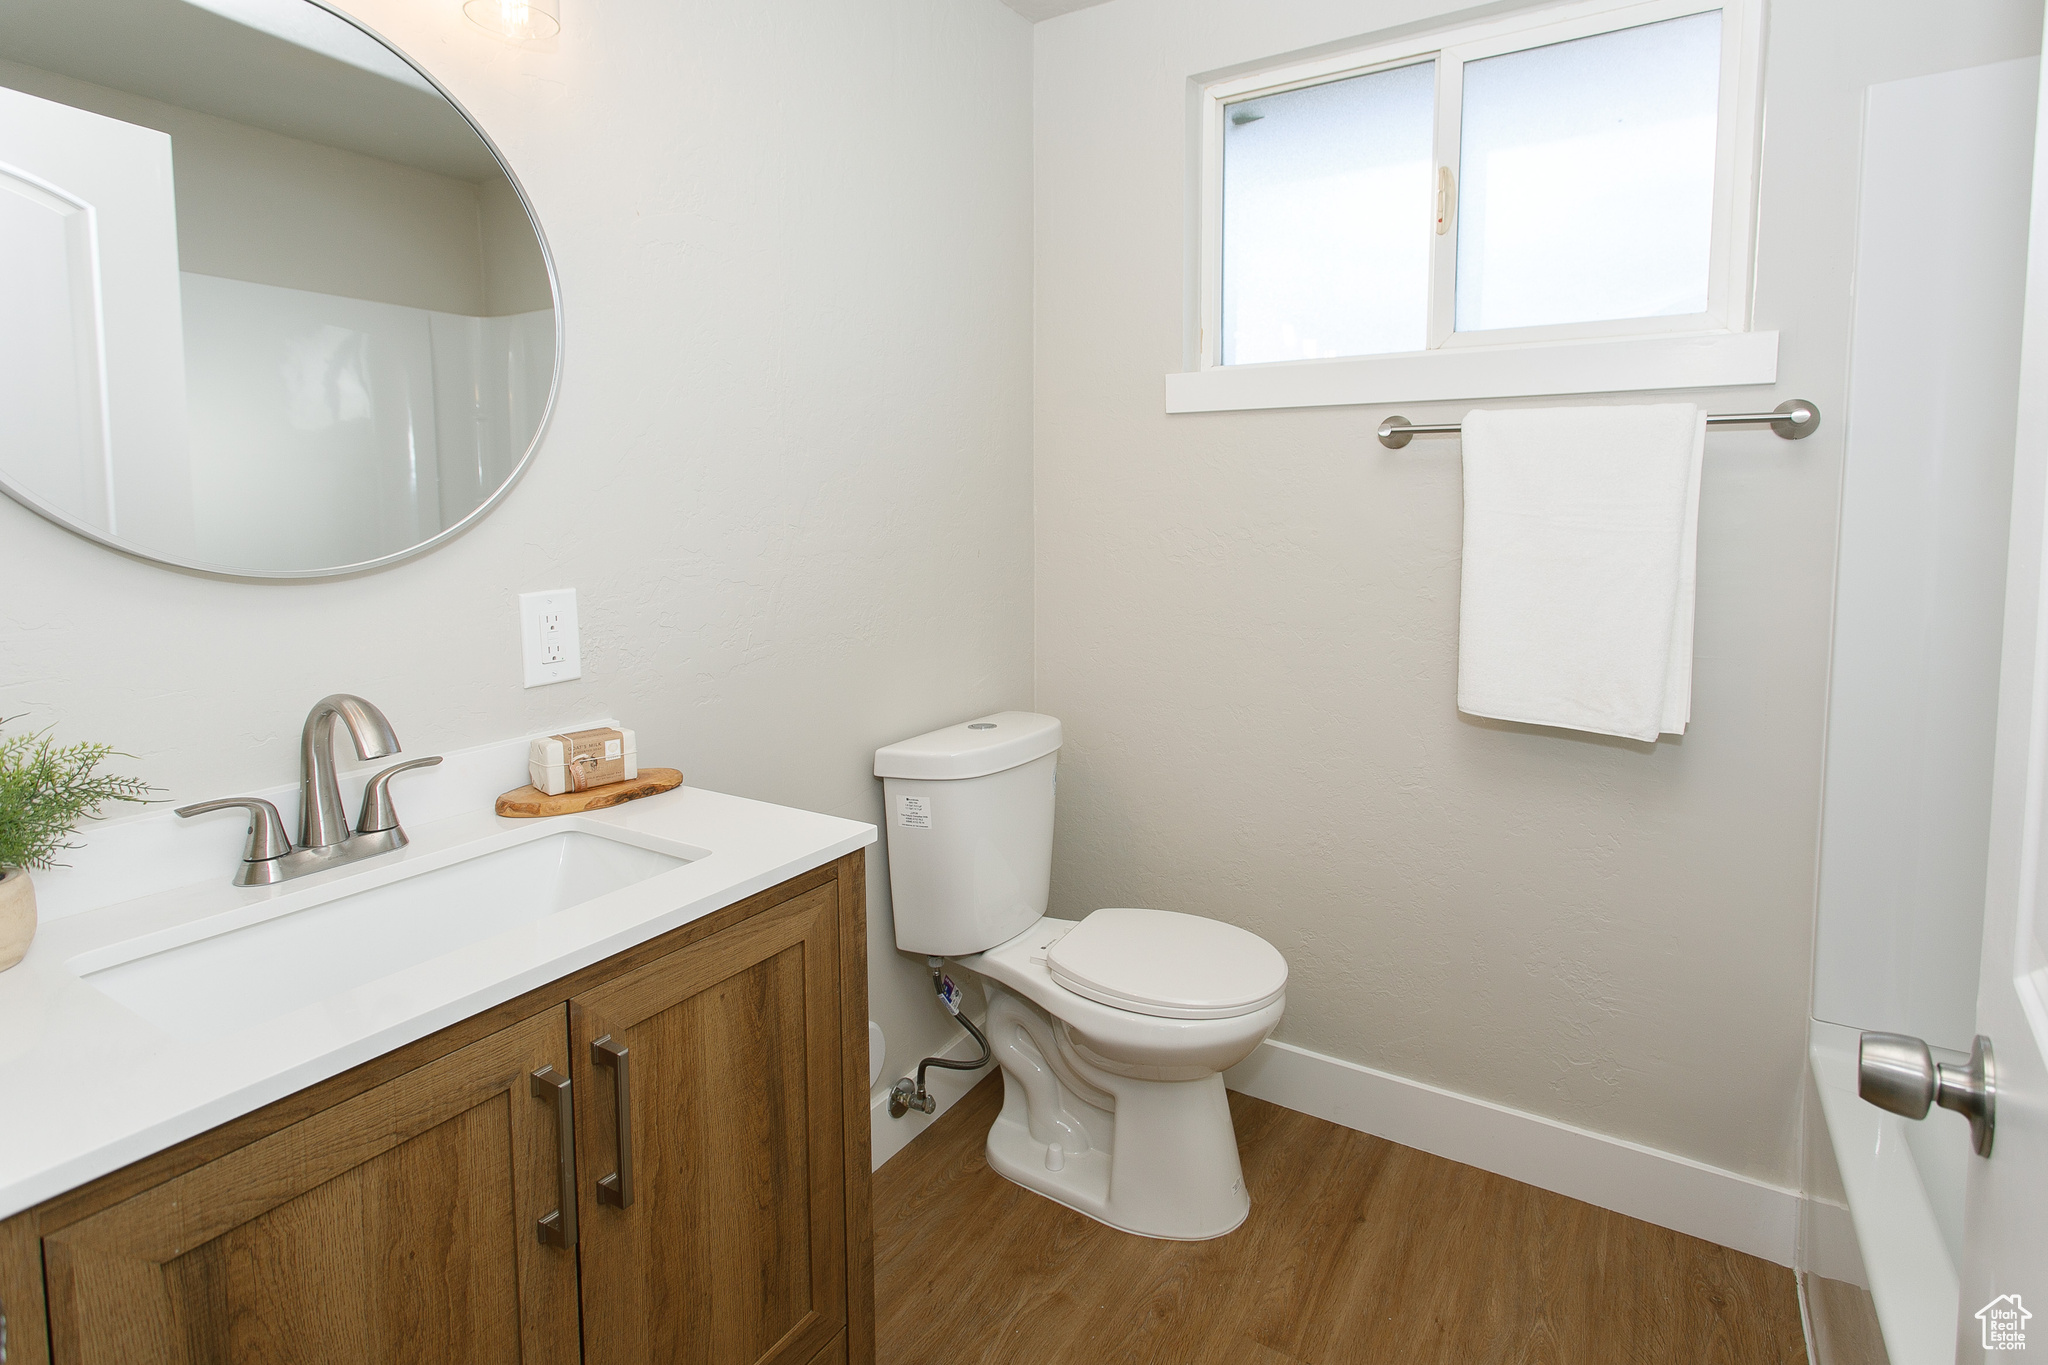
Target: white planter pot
{"type": "Point", "coordinates": [17, 915]}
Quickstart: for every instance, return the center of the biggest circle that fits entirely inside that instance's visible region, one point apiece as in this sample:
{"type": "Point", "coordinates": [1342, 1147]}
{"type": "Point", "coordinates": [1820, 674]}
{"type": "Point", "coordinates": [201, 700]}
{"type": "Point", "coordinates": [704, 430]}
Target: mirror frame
{"type": "Point", "coordinates": [476, 514]}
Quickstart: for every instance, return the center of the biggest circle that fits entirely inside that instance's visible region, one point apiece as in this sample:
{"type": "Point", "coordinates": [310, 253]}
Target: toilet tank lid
{"type": "Point", "coordinates": [973, 748]}
{"type": "Point", "coordinates": [1170, 965]}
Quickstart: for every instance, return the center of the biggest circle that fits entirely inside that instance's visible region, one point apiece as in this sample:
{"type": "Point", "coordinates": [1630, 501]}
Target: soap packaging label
{"type": "Point", "coordinates": [582, 759]}
{"type": "Point", "coordinates": [913, 812]}
{"type": "Point", "coordinates": [595, 758]}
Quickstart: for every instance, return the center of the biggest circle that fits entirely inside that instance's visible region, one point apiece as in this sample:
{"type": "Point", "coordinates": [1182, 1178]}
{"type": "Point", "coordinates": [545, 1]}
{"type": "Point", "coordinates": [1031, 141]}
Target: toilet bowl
{"type": "Point", "coordinates": [1112, 1031]}
{"type": "Point", "coordinates": [1116, 1114]}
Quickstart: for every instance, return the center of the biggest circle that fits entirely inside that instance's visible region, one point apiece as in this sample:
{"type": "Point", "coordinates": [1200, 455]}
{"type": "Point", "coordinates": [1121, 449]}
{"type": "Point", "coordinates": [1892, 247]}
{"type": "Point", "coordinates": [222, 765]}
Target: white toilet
{"type": "Point", "coordinates": [1112, 1031]}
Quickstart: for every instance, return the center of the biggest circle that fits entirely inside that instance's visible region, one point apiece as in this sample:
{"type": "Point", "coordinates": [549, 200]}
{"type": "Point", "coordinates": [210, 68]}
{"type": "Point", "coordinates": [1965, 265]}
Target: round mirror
{"type": "Point", "coordinates": [272, 306]}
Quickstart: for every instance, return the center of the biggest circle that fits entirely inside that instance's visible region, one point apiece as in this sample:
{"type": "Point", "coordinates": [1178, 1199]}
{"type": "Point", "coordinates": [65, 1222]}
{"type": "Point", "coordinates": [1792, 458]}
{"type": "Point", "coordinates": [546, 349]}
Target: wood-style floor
{"type": "Point", "coordinates": [1357, 1250]}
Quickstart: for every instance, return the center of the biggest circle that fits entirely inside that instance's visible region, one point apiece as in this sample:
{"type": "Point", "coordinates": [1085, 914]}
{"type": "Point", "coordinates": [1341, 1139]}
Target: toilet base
{"type": "Point", "coordinates": [1155, 1158]}
{"type": "Point", "coordinates": [1083, 1185]}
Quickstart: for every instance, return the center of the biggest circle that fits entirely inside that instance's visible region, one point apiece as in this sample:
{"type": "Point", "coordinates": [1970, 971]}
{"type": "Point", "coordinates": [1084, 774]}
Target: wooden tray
{"type": "Point", "coordinates": [530, 801]}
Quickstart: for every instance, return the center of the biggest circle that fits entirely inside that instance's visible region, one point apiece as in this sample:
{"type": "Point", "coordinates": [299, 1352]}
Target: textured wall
{"type": "Point", "coordinates": [1248, 622]}
{"type": "Point", "coordinates": [793, 439]}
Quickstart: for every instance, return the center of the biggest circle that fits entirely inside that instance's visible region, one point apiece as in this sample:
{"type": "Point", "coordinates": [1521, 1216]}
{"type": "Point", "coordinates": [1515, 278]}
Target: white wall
{"type": "Point", "coordinates": [794, 432]}
{"type": "Point", "coordinates": [1248, 624]}
{"type": "Point", "coordinates": [259, 206]}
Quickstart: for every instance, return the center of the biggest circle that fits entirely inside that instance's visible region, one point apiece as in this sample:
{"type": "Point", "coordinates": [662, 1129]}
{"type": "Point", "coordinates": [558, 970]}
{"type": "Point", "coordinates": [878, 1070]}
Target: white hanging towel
{"type": "Point", "coordinates": [1581, 533]}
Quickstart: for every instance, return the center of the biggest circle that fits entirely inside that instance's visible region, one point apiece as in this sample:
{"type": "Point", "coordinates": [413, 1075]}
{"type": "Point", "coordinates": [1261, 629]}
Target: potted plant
{"type": "Point", "coordinates": [45, 793]}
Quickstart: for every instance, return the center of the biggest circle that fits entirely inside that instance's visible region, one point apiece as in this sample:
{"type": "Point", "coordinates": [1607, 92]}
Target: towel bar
{"type": "Point", "coordinates": [1793, 419]}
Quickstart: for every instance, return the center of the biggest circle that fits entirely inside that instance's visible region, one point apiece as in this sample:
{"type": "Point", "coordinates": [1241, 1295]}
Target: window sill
{"type": "Point", "coordinates": [1608, 365]}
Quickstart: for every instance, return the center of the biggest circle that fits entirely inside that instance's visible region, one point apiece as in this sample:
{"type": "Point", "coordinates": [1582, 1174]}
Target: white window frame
{"type": "Point", "coordinates": [1713, 348]}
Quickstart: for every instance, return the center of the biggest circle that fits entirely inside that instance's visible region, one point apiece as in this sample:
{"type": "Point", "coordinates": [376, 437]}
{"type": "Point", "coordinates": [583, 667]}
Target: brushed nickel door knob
{"type": "Point", "coordinates": [1899, 1073]}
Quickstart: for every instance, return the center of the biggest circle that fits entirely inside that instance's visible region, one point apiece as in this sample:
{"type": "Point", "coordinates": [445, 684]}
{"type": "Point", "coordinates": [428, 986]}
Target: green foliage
{"type": "Point", "coordinates": [47, 792]}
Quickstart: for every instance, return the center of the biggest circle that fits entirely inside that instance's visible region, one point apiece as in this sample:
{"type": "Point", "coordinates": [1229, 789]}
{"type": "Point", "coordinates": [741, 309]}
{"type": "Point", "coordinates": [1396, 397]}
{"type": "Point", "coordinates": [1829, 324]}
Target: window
{"type": "Point", "coordinates": [1555, 203]}
{"type": "Point", "coordinates": [1326, 228]}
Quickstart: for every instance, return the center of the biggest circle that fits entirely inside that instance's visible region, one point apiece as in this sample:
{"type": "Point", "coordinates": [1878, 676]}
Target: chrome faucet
{"type": "Point", "coordinates": [322, 822]}
{"type": "Point", "coordinates": [324, 837]}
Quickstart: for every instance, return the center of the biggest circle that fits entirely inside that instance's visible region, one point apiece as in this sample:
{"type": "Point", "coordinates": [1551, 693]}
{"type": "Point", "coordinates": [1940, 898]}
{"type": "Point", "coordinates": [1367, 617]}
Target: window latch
{"type": "Point", "coordinates": [1446, 199]}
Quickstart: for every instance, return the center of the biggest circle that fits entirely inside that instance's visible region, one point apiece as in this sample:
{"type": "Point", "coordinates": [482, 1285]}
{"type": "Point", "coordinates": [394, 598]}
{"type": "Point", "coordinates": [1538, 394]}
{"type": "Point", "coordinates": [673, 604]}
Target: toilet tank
{"type": "Point", "coordinates": [968, 815]}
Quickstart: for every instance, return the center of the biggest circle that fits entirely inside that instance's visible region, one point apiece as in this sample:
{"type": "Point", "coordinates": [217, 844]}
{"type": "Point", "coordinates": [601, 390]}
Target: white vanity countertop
{"type": "Point", "coordinates": [90, 1086]}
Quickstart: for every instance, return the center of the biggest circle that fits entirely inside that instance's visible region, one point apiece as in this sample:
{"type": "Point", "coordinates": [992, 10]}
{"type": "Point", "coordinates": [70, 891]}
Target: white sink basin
{"type": "Point", "coordinates": [243, 976]}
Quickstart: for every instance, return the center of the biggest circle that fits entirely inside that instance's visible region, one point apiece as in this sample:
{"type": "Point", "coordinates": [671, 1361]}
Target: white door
{"type": "Point", "coordinates": [92, 373]}
{"type": "Point", "coordinates": [2005, 1260]}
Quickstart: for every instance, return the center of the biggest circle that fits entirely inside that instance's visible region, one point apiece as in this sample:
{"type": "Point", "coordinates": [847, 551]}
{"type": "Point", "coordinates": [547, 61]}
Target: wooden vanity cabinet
{"type": "Point", "coordinates": [393, 1213]}
{"type": "Point", "coordinates": [396, 1226]}
{"type": "Point", "coordinates": [733, 1245]}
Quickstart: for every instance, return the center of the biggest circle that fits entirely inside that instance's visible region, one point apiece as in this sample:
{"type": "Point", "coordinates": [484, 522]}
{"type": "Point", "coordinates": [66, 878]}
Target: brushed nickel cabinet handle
{"type": "Point", "coordinates": [558, 1229]}
{"type": "Point", "coordinates": [616, 1189]}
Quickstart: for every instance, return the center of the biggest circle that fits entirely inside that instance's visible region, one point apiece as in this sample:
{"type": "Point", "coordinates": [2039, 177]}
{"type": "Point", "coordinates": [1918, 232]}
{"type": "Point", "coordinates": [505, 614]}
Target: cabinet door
{"type": "Point", "coordinates": [732, 1248]}
{"type": "Point", "coordinates": [400, 1225]}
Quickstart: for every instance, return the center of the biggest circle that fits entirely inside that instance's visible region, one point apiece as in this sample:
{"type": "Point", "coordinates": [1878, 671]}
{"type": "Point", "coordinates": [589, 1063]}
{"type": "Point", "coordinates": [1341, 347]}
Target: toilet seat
{"type": "Point", "coordinates": [1154, 1043]}
{"type": "Point", "coordinates": [1167, 965]}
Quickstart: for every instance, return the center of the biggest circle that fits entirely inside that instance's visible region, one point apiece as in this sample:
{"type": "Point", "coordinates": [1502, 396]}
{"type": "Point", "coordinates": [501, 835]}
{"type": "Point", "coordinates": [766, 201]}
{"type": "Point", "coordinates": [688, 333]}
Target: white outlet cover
{"type": "Point", "coordinates": [550, 643]}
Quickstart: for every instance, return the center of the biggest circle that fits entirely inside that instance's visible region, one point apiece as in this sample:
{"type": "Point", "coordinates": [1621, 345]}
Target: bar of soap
{"type": "Point", "coordinates": [582, 759]}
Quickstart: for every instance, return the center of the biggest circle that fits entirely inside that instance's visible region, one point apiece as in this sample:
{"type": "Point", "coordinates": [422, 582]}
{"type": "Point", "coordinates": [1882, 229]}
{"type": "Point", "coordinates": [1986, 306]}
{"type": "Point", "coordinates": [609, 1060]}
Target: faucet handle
{"type": "Point", "coordinates": [378, 814]}
{"type": "Point", "coordinates": [267, 839]}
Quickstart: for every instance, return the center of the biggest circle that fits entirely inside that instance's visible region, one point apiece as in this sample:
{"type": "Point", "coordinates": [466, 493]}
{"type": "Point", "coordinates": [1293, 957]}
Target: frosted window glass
{"type": "Point", "coordinates": [1327, 216]}
{"type": "Point", "coordinates": [1587, 178]}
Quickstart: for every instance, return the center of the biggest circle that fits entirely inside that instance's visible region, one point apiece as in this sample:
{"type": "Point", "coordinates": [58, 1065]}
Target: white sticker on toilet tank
{"type": "Point", "coordinates": [913, 812]}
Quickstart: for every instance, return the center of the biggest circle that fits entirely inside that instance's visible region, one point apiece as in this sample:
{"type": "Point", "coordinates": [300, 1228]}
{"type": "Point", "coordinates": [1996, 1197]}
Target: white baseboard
{"type": "Point", "coordinates": [889, 1136]}
{"type": "Point", "coordinates": [1671, 1191]}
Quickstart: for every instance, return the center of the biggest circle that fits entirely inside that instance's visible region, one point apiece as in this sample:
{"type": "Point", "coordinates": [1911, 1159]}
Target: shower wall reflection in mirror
{"type": "Point", "coordinates": [270, 305]}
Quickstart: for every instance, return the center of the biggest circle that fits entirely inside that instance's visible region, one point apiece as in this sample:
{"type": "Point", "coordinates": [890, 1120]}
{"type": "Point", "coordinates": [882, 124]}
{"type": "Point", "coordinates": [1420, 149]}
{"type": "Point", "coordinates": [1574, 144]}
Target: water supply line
{"type": "Point", "coordinates": [907, 1094]}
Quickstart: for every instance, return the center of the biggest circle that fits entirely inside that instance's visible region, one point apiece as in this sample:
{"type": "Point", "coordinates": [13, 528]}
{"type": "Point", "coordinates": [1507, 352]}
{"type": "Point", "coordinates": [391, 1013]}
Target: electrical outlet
{"type": "Point", "coordinates": [548, 639]}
